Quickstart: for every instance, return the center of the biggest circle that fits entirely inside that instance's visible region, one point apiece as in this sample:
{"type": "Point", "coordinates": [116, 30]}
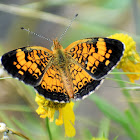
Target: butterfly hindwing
{"type": "Point", "coordinates": [27, 64]}
{"type": "Point", "coordinates": [52, 87]}
{"type": "Point", "coordinates": [96, 55]}
{"type": "Point", "coordinates": [83, 83]}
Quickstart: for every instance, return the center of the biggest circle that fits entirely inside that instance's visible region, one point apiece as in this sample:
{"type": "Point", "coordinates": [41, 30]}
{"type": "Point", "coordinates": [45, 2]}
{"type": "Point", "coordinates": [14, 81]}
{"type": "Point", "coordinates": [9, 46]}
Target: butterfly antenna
{"type": "Point", "coordinates": [68, 27]}
{"type": "Point", "coordinates": [36, 34]}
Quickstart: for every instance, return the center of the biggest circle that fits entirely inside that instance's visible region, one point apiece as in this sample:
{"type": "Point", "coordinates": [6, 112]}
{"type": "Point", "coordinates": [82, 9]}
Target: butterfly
{"type": "Point", "coordinates": [64, 74]}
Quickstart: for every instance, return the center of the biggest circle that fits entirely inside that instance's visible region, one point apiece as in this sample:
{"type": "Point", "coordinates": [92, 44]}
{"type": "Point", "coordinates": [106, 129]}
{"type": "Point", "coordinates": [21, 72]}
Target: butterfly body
{"type": "Point", "coordinates": [62, 74]}
{"type": "Point", "coordinates": [62, 63]}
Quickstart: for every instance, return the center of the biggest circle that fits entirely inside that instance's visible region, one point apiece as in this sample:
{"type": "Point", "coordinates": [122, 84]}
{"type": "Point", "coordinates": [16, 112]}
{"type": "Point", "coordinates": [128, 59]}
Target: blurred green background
{"type": "Point", "coordinates": [50, 18]}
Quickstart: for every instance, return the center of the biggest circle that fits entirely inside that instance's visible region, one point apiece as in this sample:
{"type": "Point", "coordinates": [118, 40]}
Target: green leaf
{"type": "Point", "coordinates": [109, 110]}
{"type": "Point", "coordinates": [115, 138]}
{"type": "Point", "coordinates": [114, 114]}
{"type": "Point", "coordinates": [87, 134]}
{"type": "Point", "coordinates": [115, 4]}
{"type": "Point", "coordinates": [104, 128]}
{"type": "Point", "coordinates": [134, 121]}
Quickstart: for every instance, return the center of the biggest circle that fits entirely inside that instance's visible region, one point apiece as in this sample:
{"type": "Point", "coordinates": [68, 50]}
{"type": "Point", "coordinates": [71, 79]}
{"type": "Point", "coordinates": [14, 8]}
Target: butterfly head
{"type": "Point", "coordinates": [56, 45]}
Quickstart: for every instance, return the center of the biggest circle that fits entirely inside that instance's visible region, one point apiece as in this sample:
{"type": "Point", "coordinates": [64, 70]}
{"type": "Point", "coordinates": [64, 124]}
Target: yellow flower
{"type": "Point", "coordinates": [66, 115]}
{"type": "Point", "coordinates": [130, 61]}
{"type": "Point", "coordinates": [99, 138]}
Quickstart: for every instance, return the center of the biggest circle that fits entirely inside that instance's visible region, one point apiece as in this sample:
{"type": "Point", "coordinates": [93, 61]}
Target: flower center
{"type": "Point", "coordinates": [54, 105]}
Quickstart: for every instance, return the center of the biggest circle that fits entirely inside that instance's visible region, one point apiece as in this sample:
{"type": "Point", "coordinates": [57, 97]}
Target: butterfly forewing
{"type": "Point", "coordinates": [27, 64]}
{"type": "Point", "coordinates": [97, 56]}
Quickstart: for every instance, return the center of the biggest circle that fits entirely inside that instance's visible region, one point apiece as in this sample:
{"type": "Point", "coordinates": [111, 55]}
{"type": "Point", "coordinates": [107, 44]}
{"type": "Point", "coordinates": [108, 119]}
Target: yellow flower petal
{"type": "Point", "coordinates": [69, 119]}
{"type": "Point", "coordinates": [59, 121]}
{"type": "Point", "coordinates": [51, 112]}
{"type": "Point", "coordinates": [130, 61]}
{"type": "Point", "coordinates": [66, 115]}
{"type": "Point", "coordinates": [42, 112]}
{"type": "Point", "coordinates": [39, 99]}
{"type": "Point", "coordinates": [132, 68]}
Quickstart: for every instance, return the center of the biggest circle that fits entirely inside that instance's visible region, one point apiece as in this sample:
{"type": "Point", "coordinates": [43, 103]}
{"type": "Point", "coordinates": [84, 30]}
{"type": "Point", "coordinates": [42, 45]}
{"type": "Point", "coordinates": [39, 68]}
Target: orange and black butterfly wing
{"type": "Point", "coordinates": [52, 87]}
{"type": "Point", "coordinates": [27, 64]}
{"type": "Point", "coordinates": [83, 83]}
{"type": "Point", "coordinates": [97, 56]}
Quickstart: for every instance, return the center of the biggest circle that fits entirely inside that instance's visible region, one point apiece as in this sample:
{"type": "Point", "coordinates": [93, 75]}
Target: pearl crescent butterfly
{"type": "Point", "coordinates": [62, 74]}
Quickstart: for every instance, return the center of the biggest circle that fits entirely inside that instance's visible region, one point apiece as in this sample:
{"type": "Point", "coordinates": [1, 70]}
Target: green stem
{"type": "Point", "coordinates": [48, 128]}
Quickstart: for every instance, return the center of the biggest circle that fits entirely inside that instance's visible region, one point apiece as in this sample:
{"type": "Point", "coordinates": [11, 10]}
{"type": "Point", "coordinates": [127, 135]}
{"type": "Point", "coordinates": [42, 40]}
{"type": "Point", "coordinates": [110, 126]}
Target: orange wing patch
{"type": "Point", "coordinates": [52, 87]}
{"type": "Point", "coordinates": [28, 63]}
